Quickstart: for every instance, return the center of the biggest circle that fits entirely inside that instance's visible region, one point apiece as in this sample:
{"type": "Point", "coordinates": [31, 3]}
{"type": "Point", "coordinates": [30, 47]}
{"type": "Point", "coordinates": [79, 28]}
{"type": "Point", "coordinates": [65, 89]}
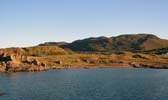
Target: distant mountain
{"type": "Point", "coordinates": [52, 44]}
{"type": "Point", "coordinates": [128, 42]}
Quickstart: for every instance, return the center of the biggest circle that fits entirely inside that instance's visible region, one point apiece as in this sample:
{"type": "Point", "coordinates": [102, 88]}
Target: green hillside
{"type": "Point", "coordinates": [133, 42]}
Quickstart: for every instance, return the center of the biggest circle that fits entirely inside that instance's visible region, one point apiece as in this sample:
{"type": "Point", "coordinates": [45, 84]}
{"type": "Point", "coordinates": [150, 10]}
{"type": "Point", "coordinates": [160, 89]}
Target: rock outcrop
{"type": "Point", "coordinates": [20, 63]}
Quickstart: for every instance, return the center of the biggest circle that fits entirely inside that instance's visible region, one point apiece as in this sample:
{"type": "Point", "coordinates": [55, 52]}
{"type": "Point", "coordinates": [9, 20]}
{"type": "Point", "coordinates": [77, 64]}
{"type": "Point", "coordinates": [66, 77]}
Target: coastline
{"type": "Point", "coordinates": [15, 60]}
{"type": "Point", "coordinates": [122, 66]}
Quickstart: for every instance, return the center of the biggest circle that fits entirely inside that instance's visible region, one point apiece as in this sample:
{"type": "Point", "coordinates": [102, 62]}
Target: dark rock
{"type": "Point", "coordinates": [58, 62]}
{"type": "Point", "coordinates": [1, 94]}
{"type": "Point", "coordinates": [139, 56]}
{"type": "Point", "coordinates": [86, 60]}
{"type": "Point", "coordinates": [5, 58]}
{"type": "Point", "coordinates": [35, 62]}
{"type": "Point", "coordinates": [43, 65]}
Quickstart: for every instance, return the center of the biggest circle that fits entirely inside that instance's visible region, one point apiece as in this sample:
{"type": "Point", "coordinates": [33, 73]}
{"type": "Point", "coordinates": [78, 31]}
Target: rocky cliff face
{"type": "Point", "coordinates": [20, 63]}
{"type": "Point", "coordinates": [27, 59]}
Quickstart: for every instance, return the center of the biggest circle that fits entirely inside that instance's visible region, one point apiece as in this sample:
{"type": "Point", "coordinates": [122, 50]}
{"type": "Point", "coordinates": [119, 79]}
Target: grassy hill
{"type": "Point", "coordinates": [34, 51]}
{"type": "Point", "coordinates": [133, 42]}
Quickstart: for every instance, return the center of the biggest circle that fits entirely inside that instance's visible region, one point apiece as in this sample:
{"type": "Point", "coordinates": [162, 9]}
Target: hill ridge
{"type": "Point", "coordinates": [126, 42]}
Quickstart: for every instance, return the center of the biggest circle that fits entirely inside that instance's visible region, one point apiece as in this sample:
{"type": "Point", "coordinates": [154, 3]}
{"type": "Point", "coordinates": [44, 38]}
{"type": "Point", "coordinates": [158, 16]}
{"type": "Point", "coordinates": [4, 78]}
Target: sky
{"type": "Point", "coordinates": [30, 22]}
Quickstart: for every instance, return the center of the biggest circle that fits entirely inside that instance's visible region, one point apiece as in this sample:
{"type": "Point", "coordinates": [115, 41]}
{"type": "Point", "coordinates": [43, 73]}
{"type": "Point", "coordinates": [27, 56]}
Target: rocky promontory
{"type": "Point", "coordinates": [20, 63]}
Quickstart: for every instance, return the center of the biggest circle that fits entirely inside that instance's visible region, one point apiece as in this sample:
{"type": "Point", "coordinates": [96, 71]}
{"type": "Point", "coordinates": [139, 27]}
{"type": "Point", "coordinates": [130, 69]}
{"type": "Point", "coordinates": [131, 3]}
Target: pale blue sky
{"type": "Point", "coordinates": [30, 22]}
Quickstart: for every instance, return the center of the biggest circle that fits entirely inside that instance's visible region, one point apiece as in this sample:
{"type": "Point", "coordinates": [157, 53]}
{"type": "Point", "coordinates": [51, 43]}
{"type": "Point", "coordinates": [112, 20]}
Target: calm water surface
{"type": "Point", "coordinates": [86, 84]}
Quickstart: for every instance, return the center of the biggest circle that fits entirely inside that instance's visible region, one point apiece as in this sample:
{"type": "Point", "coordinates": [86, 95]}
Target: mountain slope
{"type": "Point", "coordinates": [131, 42]}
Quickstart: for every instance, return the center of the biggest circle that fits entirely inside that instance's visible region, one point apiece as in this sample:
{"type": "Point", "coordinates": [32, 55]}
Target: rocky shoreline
{"type": "Point", "coordinates": [20, 64]}
{"type": "Point", "coordinates": [43, 58]}
{"type": "Point", "coordinates": [25, 64]}
{"type": "Point", "coordinates": [78, 67]}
